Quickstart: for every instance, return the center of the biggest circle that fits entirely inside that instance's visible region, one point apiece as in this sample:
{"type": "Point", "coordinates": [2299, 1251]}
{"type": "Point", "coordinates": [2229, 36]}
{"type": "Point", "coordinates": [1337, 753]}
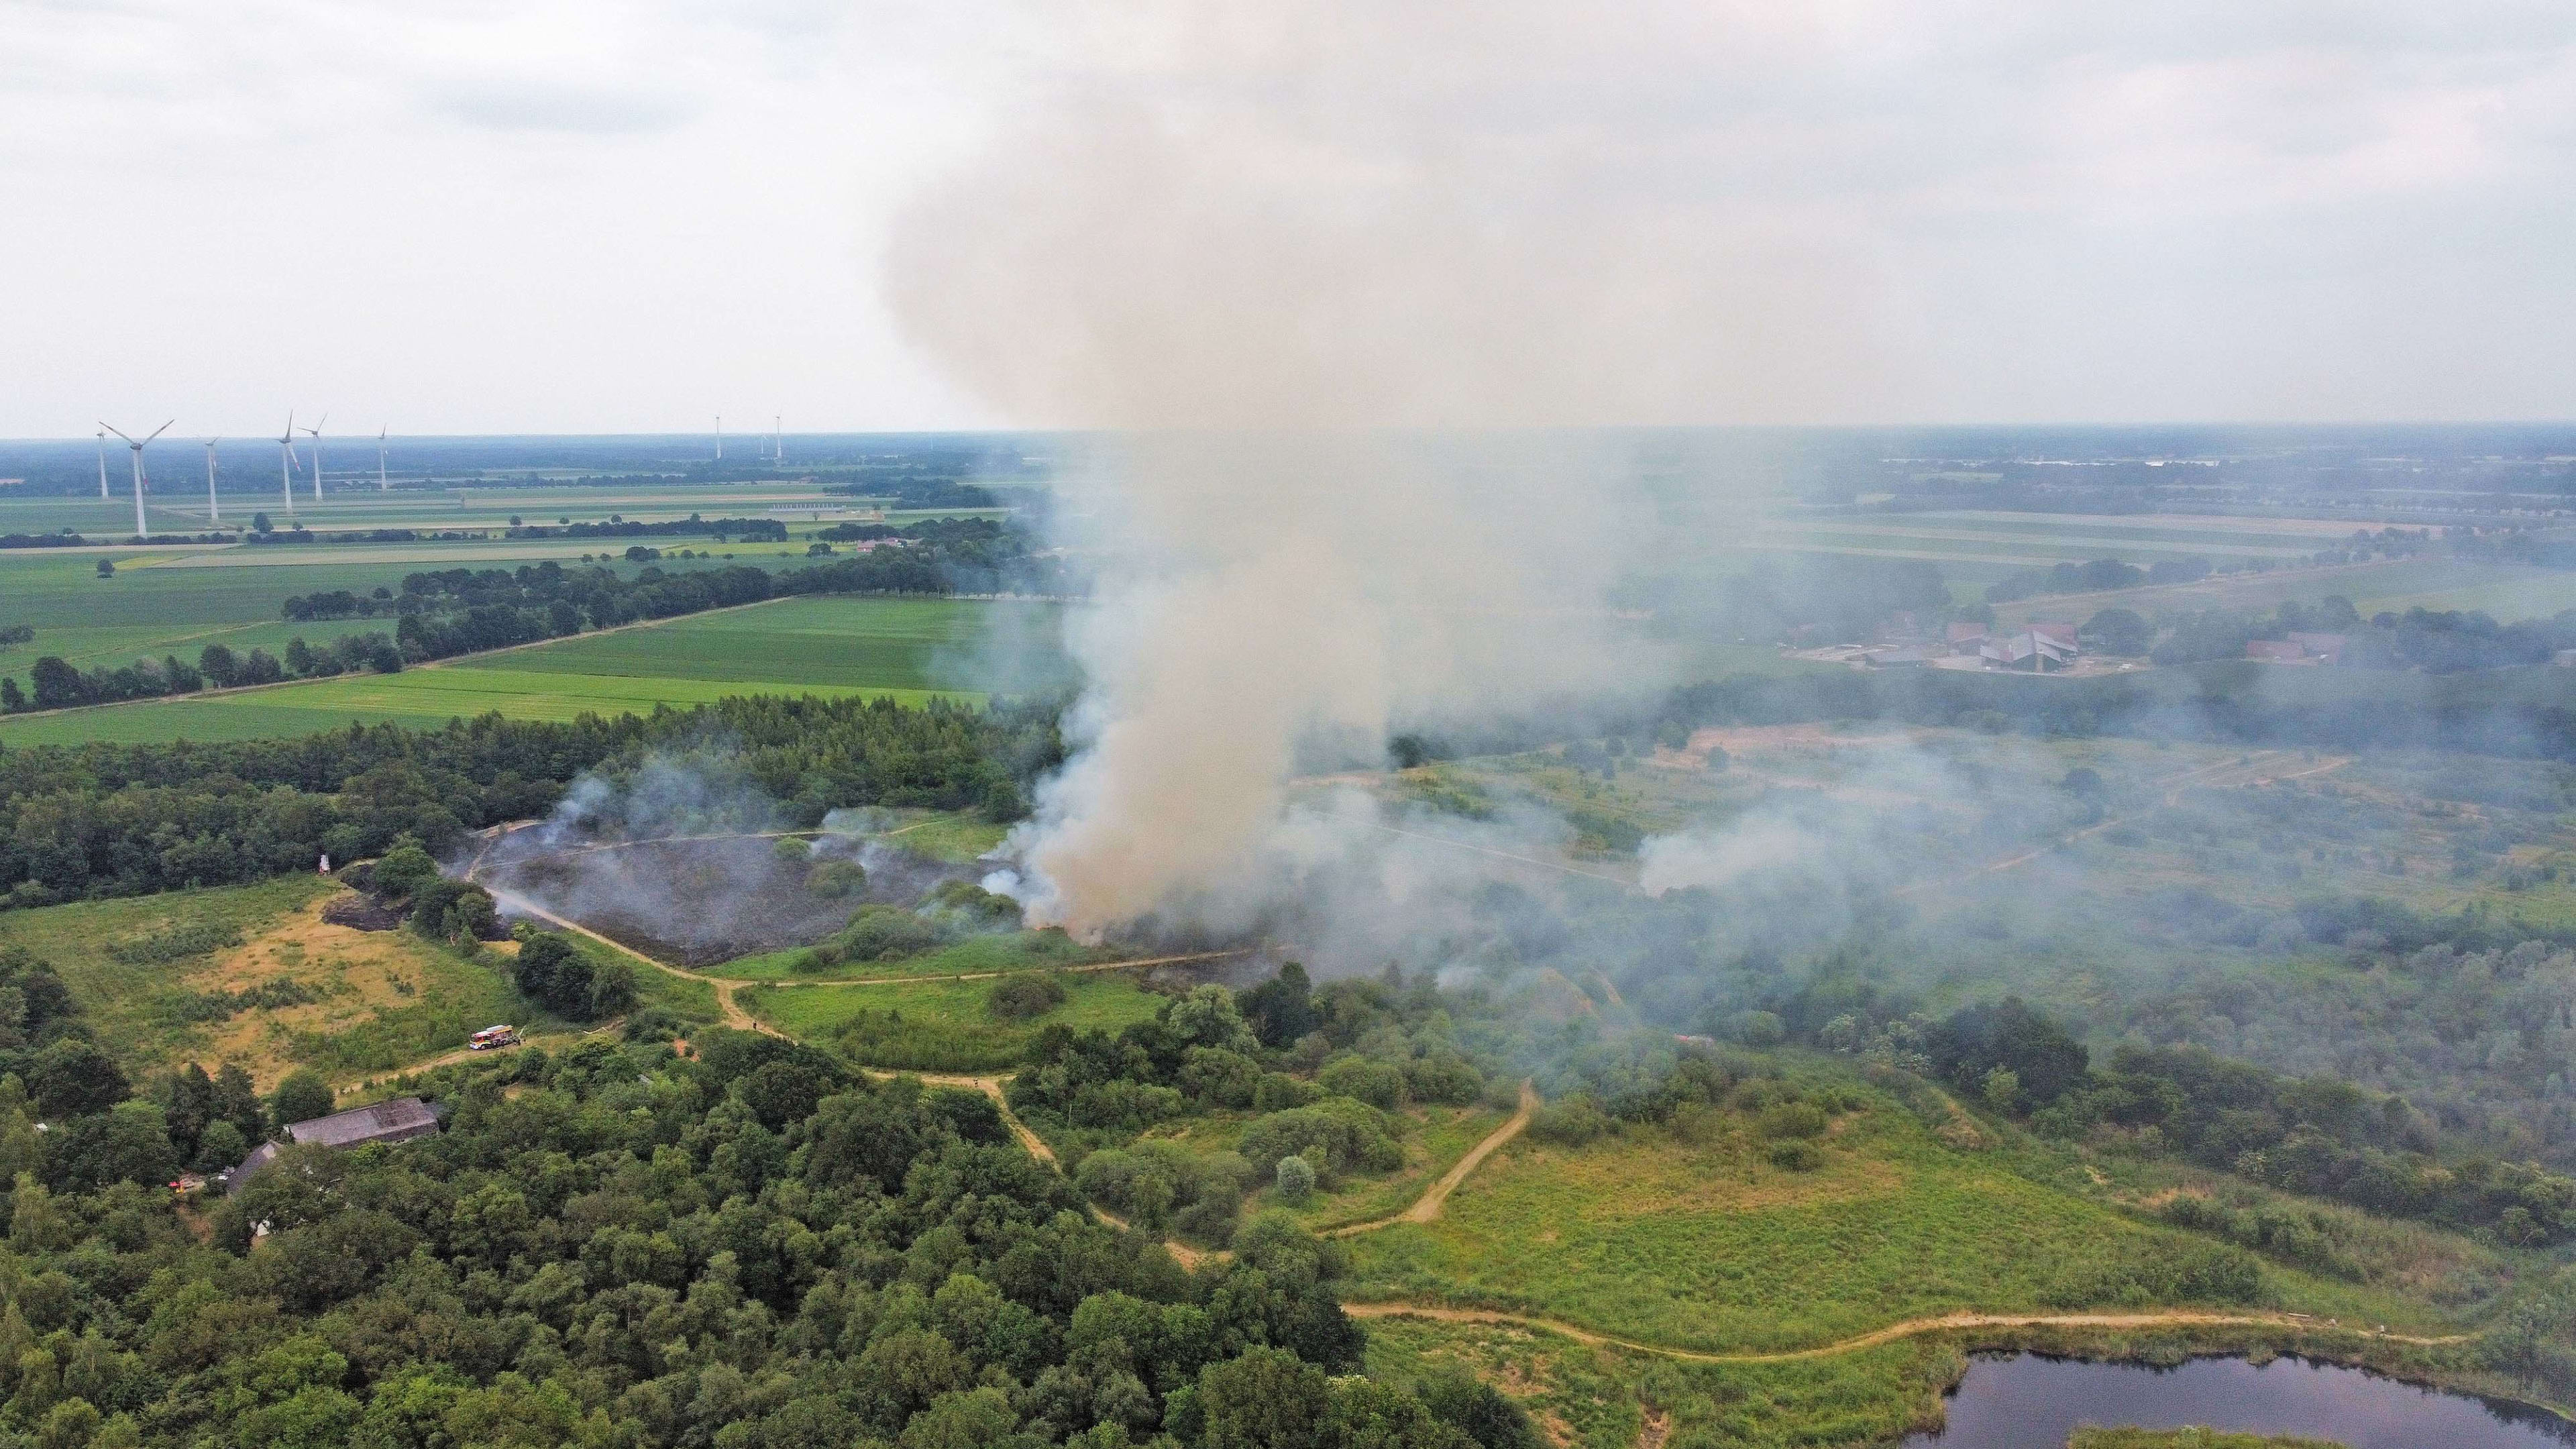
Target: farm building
{"type": "Point", "coordinates": [2298, 649]}
{"type": "Point", "coordinates": [2039, 648]}
{"type": "Point", "coordinates": [392, 1120]}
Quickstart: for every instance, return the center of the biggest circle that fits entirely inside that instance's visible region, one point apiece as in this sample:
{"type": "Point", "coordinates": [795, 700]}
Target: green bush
{"type": "Point", "coordinates": [1376, 1083]}
{"type": "Point", "coordinates": [1791, 1119]}
{"type": "Point", "coordinates": [1295, 1180]}
{"type": "Point", "coordinates": [1024, 997]}
{"type": "Point", "coordinates": [1444, 1078]}
{"type": "Point", "coordinates": [1795, 1155]}
{"type": "Point", "coordinates": [1338, 1134]}
{"type": "Point", "coordinates": [882, 933]}
{"type": "Point", "coordinates": [836, 880]}
{"type": "Point", "coordinates": [1278, 1092]}
{"type": "Point", "coordinates": [1570, 1123]}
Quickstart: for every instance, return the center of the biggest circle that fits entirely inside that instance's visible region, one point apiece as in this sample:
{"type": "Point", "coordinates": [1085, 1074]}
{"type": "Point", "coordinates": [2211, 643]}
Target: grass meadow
{"type": "Point", "coordinates": [1691, 1238]}
{"type": "Point", "coordinates": [941, 1025]}
{"type": "Point", "coordinates": [1595, 1397]}
{"type": "Point", "coordinates": [376, 999]}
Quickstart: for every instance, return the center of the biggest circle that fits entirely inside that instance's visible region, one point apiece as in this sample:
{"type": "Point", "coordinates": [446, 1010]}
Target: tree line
{"type": "Point", "coordinates": [114, 820]}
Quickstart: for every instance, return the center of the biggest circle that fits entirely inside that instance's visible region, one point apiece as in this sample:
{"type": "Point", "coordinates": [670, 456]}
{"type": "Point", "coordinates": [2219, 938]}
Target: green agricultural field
{"type": "Point", "coordinates": [161, 602]}
{"type": "Point", "coordinates": [915, 644]}
{"type": "Point", "coordinates": [942, 1025]}
{"type": "Point", "coordinates": [824, 646]}
{"type": "Point", "coordinates": [1692, 1238]}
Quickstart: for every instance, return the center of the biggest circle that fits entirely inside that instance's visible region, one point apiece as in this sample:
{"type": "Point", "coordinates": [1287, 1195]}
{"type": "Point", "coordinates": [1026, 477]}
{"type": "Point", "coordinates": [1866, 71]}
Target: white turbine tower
{"type": "Point", "coordinates": [102, 461]}
{"type": "Point", "coordinates": [777, 440]}
{"type": "Point", "coordinates": [286, 462]}
{"type": "Point", "coordinates": [381, 484]}
{"type": "Point", "coordinates": [316, 431]}
{"type": "Point", "coordinates": [719, 437]}
{"type": "Point", "coordinates": [139, 530]}
{"type": "Point", "coordinates": [214, 506]}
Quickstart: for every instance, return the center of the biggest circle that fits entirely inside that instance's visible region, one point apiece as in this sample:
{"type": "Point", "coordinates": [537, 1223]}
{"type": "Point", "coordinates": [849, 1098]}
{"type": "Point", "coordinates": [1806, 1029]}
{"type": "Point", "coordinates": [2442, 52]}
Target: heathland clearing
{"type": "Point", "coordinates": [192, 976]}
{"type": "Point", "coordinates": [1707, 1245]}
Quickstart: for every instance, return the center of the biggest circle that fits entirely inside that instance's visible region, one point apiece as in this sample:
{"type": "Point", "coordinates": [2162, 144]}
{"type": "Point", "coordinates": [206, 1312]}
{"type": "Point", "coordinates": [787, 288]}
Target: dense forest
{"type": "Point", "coordinates": [747, 1249]}
{"type": "Point", "coordinates": [104, 820]}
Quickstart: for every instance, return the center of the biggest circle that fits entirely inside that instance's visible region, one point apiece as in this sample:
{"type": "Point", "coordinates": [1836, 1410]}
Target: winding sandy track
{"type": "Point", "coordinates": [1428, 1206]}
{"type": "Point", "coordinates": [1910, 1328]}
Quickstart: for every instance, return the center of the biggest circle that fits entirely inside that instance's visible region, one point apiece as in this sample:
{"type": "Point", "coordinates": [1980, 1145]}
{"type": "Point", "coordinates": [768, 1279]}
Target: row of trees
{"type": "Point", "coordinates": [109, 820]}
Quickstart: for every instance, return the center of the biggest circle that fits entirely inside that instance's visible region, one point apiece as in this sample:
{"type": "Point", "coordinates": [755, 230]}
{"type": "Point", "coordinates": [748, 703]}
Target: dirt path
{"type": "Point", "coordinates": [1910, 1328]}
{"type": "Point", "coordinates": [1428, 1206]}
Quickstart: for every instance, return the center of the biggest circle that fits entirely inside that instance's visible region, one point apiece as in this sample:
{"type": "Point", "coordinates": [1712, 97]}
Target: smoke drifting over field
{"type": "Point", "coordinates": [1228, 236]}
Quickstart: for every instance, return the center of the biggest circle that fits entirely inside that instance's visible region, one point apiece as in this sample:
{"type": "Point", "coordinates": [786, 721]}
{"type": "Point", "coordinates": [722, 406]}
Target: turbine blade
{"type": "Point", "coordinates": [120, 432]}
{"type": "Point", "coordinates": [156, 432]}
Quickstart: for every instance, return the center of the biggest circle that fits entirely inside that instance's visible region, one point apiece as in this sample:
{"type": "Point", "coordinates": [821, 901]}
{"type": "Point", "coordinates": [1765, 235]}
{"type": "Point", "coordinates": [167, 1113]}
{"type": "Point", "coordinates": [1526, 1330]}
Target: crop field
{"type": "Point", "coordinates": [158, 603]}
{"type": "Point", "coordinates": [942, 1025]}
{"type": "Point", "coordinates": [1691, 1238]}
{"type": "Point", "coordinates": [900, 648]}
{"type": "Point", "coordinates": [911, 644]}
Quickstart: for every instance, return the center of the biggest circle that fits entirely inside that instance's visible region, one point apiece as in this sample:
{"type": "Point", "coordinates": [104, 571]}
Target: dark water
{"type": "Point", "coordinates": [2026, 1401]}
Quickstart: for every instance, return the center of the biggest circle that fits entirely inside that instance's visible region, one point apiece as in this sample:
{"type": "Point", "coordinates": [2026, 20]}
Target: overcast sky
{"type": "Point", "coordinates": [571, 216]}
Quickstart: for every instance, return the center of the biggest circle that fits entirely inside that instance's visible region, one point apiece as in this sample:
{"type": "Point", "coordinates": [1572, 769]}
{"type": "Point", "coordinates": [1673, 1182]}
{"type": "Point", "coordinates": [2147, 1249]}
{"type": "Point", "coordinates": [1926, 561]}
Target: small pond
{"type": "Point", "coordinates": [2029, 1401]}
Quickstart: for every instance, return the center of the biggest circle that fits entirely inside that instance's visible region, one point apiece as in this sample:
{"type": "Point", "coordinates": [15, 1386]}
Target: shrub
{"type": "Point", "coordinates": [1278, 1092]}
{"type": "Point", "coordinates": [836, 880]}
{"type": "Point", "coordinates": [1024, 997]}
{"type": "Point", "coordinates": [1794, 1155]}
{"type": "Point", "coordinates": [1221, 1077]}
{"type": "Point", "coordinates": [1570, 1123]}
{"type": "Point", "coordinates": [1373, 1082]}
{"type": "Point", "coordinates": [1338, 1134]}
{"type": "Point", "coordinates": [1443, 1078]}
{"type": "Point", "coordinates": [1295, 1180]}
{"type": "Point", "coordinates": [879, 933]}
{"type": "Point", "coordinates": [1791, 1119]}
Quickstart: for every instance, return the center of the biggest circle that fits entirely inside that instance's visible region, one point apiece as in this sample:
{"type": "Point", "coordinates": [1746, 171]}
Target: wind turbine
{"type": "Point", "coordinates": [102, 460]}
{"type": "Point", "coordinates": [286, 462]}
{"type": "Point", "coordinates": [719, 437]}
{"type": "Point", "coordinates": [316, 431]}
{"type": "Point", "coordinates": [214, 506]}
{"type": "Point", "coordinates": [139, 530]}
{"type": "Point", "coordinates": [381, 484]}
{"type": "Point", "coordinates": [777, 440]}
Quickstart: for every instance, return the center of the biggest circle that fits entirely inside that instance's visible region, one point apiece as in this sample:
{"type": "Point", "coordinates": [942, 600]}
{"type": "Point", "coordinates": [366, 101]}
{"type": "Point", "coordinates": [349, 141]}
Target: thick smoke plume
{"type": "Point", "coordinates": [1235, 235]}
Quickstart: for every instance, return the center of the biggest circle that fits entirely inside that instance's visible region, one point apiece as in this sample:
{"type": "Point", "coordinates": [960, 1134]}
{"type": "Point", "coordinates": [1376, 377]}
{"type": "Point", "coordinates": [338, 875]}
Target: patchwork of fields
{"type": "Point", "coordinates": [910, 649]}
